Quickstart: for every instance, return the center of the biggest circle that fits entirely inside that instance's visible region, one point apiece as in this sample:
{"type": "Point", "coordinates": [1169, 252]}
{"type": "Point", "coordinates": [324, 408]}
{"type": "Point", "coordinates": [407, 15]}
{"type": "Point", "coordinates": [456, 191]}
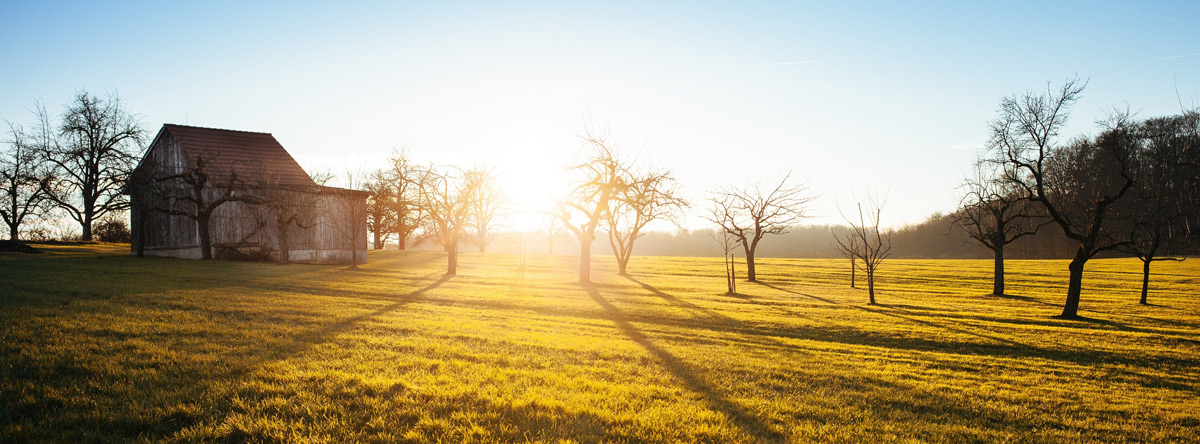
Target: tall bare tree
{"type": "Point", "coordinates": [285, 207]}
{"type": "Point", "coordinates": [1077, 184]}
{"type": "Point", "coordinates": [598, 180]}
{"type": "Point", "coordinates": [646, 197]}
{"type": "Point", "coordinates": [867, 243]}
{"type": "Point", "coordinates": [353, 214]}
{"type": "Point", "coordinates": [448, 200]}
{"type": "Point", "coordinates": [749, 214]}
{"type": "Point", "coordinates": [94, 150]}
{"type": "Point", "coordinates": [995, 214]}
{"type": "Point", "coordinates": [488, 206]}
{"type": "Point", "coordinates": [23, 177]}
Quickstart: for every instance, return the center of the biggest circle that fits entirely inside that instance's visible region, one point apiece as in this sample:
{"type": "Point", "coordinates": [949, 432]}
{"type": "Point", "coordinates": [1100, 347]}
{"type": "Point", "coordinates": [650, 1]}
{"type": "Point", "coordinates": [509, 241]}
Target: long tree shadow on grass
{"type": "Point", "coordinates": [740, 416]}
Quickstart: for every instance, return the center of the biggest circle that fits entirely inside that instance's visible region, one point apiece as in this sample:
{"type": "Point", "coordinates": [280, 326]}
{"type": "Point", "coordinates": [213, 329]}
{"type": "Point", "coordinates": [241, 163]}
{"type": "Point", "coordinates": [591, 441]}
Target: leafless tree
{"type": "Point", "coordinates": [488, 205]}
{"type": "Point", "coordinates": [599, 179]}
{"type": "Point", "coordinates": [186, 195]}
{"type": "Point", "coordinates": [551, 231]}
{"type": "Point", "coordinates": [94, 150]}
{"type": "Point", "coordinates": [849, 246]}
{"type": "Point", "coordinates": [447, 200]}
{"type": "Point", "coordinates": [995, 214]}
{"type": "Point", "coordinates": [406, 180]}
{"type": "Point", "coordinates": [646, 197]}
{"type": "Point", "coordinates": [353, 226]}
{"type": "Point", "coordinates": [729, 245]}
{"type": "Point", "coordinates": [381, 208]}
{"type": "Point", "coordinates": [23, 179]}
{"type": "Point", "coordinates": [1166, 194]}
{"type": "Point", "coordinates": [749, 214]}
{"type": "Point", "coordinates": [1077, 184]}
{"type": "Point", "coordinates": [867, 243]}
{"type": "Point", "coordinates": [285, 206]}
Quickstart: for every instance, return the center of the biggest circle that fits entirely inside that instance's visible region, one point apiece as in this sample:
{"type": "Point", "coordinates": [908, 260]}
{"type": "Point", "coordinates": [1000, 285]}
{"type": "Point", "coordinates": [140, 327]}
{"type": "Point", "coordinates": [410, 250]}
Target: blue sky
{"type": "Point", "coordinates": [853, 98]}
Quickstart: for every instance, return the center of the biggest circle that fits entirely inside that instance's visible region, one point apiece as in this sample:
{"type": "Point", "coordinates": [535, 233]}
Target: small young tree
{"type": "Point", "coordinates": [647, 197]}
{"type": "Point", "coordinates": [353, 214]}
{"type": "Point", "coordinates": [729, 245]}
{"type": "Point", "coordinates": [868, 244]}
{"type": "Point", "coordinates": [749, 214]}
{"type": "Point", "coordinates": [551, 231]}
{"type": "Point", "coordinates": [599, 179]}
{"type": "Point", "coordinates": [849, 247]}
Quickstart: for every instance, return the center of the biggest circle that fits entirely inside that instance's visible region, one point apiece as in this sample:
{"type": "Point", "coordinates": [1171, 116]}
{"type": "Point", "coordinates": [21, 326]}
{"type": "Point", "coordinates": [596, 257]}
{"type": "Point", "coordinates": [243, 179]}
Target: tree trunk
{"type": "Point", "coordinates": [452, 261]}
{"type": "Point", "coordinates": [550, 248]}
{"type": "Point", "coordinates": [623, 263]}
{"type": "Point", "coordinates": [401, 240]}
{"type": "Point", "coordinates": [1146, 278]}
{"type": "Point", "coordinates": [283, 243]}
{"type": "Point", "coordinates": [853, 270]}
{"type": "Point", "coordinates": [205, 239]}
{"type": "Point", "coordinates": [871, 286]}
{"type": "Point", "coordinates": [750, 274]}
{"type": "Point", "coordinates": [585, 262]}
{"type": "Point", "coordinates": [377, 241]}
{"type": "Point", "coordinates": [998, 270]}
{"type": "Point", "coordinates": [1074, 285]}
{"type": "Point", "coordinates": [87, 228]}
{"type": "Point", "coordinates": [13, 232]}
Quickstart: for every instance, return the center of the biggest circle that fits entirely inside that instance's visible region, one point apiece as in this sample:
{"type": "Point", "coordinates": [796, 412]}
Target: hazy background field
{"type": "Point", "coordinates": [100, 346]}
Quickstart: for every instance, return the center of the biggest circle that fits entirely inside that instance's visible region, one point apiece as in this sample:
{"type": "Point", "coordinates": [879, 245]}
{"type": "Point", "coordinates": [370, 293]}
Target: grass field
{"type": "Point", "coordinates": [100, 346]}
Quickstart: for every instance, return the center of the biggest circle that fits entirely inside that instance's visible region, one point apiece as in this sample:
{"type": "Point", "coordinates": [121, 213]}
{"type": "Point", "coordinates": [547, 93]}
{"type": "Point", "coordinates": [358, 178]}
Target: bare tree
{"type": "Point", "coordinates": [1165, 195]}
{"type": "Point", "coordinates": [1077, 184]}
{"type": "Point", "coordinates": [487, 206]}
{"type": "Point", "coordinates": [551, 231]}
{"type": "Point", "coordinates": [23, 177]}
{"type": "Point", "coordinates": [849, 246]}
{"type": "Point", "coordinates": [867, 243]}
{"type": "Point", "coordinates": [729, 245]}
{"type": "Point", "coordinates": [749, 214]}
{"type": "Point", "coordinates": [286, 207]}
{"type": "Point", "coordinates": [447, 200]}
{"type": "Point", "coordinates": [645, 198]}
{"type": "Point", "coordinates": [187, 196]}
{"type": "Point", "coordinates": [94, 150]}
{"type": "Point", "coordinates": [995, 214]}
{"type": "Point", "coordinates": [381, 208]}
{"type": "Point", "coordinates": [406, 181]}
{"type": "Point", "coordinates": [599, 179]}
{"type": "Point", "coordinates": [353, 226]}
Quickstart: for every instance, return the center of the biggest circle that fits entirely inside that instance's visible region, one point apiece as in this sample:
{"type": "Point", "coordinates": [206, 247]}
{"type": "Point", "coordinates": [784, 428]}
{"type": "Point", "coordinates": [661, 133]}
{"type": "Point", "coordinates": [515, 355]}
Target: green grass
{"type": "Point", "coordinates": [100, 346]}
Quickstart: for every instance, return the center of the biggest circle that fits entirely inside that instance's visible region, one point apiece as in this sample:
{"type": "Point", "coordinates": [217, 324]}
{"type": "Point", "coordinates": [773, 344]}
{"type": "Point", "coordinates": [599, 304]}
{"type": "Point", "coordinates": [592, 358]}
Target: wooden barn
{"type": "Point", "coordinates": [244, 196]}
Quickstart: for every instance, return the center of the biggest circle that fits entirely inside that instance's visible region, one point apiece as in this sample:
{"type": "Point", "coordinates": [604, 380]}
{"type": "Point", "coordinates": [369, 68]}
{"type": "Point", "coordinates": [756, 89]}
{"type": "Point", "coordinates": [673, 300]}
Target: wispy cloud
{"type": "Point", "coordinates": [798, 62]}
{"type": "Point", "coordinates": [1181, 56]}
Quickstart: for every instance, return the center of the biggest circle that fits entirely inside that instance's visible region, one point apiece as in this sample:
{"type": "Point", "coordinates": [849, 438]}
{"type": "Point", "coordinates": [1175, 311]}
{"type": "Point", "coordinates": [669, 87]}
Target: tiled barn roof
{"type": "Point", "coordinates": [253, 157]}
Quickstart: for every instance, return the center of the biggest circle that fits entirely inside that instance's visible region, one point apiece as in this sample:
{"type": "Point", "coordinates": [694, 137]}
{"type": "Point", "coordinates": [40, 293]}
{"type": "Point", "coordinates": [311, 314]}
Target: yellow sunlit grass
{"type": "Point", "coordinates": [101, 346]}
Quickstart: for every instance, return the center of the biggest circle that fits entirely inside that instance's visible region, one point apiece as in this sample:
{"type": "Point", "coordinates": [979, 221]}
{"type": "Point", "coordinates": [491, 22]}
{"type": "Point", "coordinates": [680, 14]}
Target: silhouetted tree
{"type": "Point", "coordinates": [381, 208]}
{"type": "Point", "coordinates": [748, 214]}
{"type": "Point", "coordinates": [353, 226]}
{"type": "Point", "coordinates": [599, 179]}
{"type": "Point", "coordinates": [405, 180]}
{"type": "Point", "coordinates": [849, 247]}
{"type": "Point", "coordinates": [995, 214]}
{"type": "Point", "coordinates": [646, 197]}
{"type": "Point", "coordinates": [448, 200]}
{"type": "Point", "coordinates": [94, 151]}
{"type": "Point", "coordinates": [487, 206]}
{"type": "Point", "coordinates": [1077, 184]}
{"type": "Point", "coordinates": [868, 244]}
{"type": "Point", "coordinates": [23, 179]}
{"type": "Point", "coordinates": [728, 244]}
{"type": "Point", "coordinates": [1164, 198]}
{"type": "Point", "coordinates": [285, 206]}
